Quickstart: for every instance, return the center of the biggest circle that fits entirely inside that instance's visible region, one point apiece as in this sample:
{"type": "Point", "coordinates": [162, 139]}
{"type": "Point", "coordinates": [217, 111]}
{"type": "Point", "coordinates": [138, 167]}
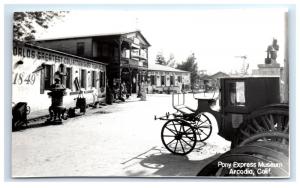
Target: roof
{"type": "Point", "coordinates": [219, 74]}
{"type": "Point", "coordinates": [204, 77]}
{"type": "Point", "coordinates": [158, 67]}
{"type": "Point", "coordinates": [94, 35]}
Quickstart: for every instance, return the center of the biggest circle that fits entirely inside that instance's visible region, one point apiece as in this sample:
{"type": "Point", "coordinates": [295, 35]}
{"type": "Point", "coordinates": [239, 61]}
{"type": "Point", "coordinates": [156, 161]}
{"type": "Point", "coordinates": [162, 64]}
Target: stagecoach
{"type": "Point", "coordinates": [250, 115]}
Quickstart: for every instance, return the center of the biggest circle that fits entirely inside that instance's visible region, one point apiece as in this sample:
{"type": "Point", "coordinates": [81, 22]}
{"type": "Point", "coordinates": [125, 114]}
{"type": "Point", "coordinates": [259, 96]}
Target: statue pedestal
{"type": "Point", "coordinates": [273, 69]}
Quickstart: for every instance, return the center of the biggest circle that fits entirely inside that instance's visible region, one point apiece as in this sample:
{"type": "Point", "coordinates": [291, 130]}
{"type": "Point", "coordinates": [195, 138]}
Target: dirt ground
{"type": "Point", "coordinates": [122, 139]}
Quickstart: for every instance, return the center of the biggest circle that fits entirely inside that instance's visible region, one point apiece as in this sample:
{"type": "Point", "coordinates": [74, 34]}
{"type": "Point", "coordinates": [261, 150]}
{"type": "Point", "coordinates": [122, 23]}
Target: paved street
{"type": "Point", "coordinates": [122, 139]}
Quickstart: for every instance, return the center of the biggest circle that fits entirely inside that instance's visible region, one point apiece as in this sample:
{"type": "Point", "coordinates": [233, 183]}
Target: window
{"type": "Point", "coordinates": [172, 80]}
{"type": "Point", "coordinates": [152, 80]}
{"type": "Point", "coordinates": [69, 78]}
{"type": "Point", "coordinates": [80, 48]}
{"type": "Point", "coordinates": [83, 79]}
{"type": "Point", "coordinates": [179, 79]}
{"type": "Point", "coordinates": [102, 79]}
{"type": "Point", "coordinates": [94, 78]}
{"type": "Point", "coordinates": [163, 80]}
{"type": "Point", "coordinates": [237, 93]}
{"type": "Point", "coordinates": [48, 71]}
{"type": "Point", "coordinates": [62, 74]}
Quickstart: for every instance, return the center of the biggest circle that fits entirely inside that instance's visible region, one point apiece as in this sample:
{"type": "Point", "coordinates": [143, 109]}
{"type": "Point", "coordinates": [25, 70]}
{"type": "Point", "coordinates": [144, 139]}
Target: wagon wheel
{"type": "Point", "coordinates": [214, 169]}
{"type": "Point", "coordinates": [282, 148]}
{"type": "Point", "coordinates": [263, 120]}
{"type": "Point", "coordinates": [203, 127]}
{"type": "Point", "coordinates": [277, 137]}
{"type": "Point", "coordinates": [264, 152]}
{"type": "Point", "coordinates": [178, 136]}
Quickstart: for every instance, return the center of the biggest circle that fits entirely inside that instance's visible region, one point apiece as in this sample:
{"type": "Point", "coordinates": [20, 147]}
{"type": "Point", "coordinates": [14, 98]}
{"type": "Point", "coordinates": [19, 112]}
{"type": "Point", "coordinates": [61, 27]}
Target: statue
{"type": "Point", "coordinates": [272, 52]}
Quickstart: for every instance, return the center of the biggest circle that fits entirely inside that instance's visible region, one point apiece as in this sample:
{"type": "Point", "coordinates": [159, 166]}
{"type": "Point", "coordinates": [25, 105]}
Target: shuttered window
{"type": "Point", "coordinates": [46, 78]}
{"type": "Point", "coordinates": [172, 80]}
{"type": "Point", "coordinates": [163, 80]}
{"type": "Point", "coordinates": [83, 78]}
{"type": "Point", "coordinates": [152, 79]}
{"type": "Point", "coordinates": [102, 79]}
{"type": "Point", "coordinates": [69, 78]}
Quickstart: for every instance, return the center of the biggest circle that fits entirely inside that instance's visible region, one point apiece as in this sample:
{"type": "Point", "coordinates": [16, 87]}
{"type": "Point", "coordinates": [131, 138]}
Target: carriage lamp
{"type": "Point", "coordinates": [56, 110]}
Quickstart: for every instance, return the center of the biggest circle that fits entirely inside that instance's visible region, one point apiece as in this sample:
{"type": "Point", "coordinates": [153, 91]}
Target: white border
{"type": "Point", "coordinates": [139, 182]}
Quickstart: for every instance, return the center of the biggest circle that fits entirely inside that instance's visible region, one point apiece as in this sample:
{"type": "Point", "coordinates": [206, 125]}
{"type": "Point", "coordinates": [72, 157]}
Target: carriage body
{"type": "Point", "coordinates": [239, 97]}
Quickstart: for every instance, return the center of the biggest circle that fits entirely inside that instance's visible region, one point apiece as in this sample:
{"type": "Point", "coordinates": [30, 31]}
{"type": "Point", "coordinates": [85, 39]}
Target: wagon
{"type": "Point", "coordinates": [250, 115]}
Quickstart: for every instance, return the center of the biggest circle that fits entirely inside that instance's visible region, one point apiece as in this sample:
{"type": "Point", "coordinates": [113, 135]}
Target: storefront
{"type": "Point", "coordinates": [34, 69]}
{"type": "Point", "coordinates": [164, 79]}
{"type": "Point", "coordinates": [126, 54]}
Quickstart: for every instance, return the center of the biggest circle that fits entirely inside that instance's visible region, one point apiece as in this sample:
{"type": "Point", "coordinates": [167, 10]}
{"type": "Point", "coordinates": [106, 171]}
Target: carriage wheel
{"type": "Point", "coordinates": [214, 169]}
{"type": "Point", "coordinates": [264, 120]}
{"type": "Point", "coordinates": [178, 136]}
{"type": "Point", "coordinates": [282, 148]}
{"type": "Point", "coordinates": [277, 137]}
{"type": "Point", "coordinates": [203, 127]}
{"type": "Point", "coordinates": [264, 152]}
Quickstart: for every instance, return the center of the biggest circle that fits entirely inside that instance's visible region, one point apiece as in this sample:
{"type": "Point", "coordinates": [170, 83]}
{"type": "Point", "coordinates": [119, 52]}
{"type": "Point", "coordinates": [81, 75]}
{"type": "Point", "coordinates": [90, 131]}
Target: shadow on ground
{"type": "Point", "coordinates": [161, 163]}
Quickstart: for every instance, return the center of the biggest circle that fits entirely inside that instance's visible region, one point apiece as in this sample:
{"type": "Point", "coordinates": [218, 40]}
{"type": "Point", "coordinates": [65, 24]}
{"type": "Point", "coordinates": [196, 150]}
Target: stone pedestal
{"type": "Point", "coordinates": [273, 69]}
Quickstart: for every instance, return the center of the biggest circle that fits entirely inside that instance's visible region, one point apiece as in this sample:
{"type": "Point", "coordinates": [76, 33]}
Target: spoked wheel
{"type": "Point", "coordinates": [178, 136]}
{"type": "Point", "coordinates": [215, 169]}
{"type": "Point", "coordinates": [264, 120]}
{"type": "Point", "coordinates": [203, 127]}
{"type": "Point", "coordinates": [277, 137]}
{"type": "Point", "coordinates": [264, 152]}
{"type": "Point", "coordinates": [282, 148]}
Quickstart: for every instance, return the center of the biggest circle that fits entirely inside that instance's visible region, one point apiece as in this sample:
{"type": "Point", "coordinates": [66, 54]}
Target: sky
{"type": "Point", "coordinates": [216, 37]}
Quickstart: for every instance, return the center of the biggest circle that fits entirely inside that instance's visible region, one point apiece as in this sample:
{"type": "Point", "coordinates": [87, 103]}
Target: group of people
{"type": "Point", "coordinates": [122, 92]}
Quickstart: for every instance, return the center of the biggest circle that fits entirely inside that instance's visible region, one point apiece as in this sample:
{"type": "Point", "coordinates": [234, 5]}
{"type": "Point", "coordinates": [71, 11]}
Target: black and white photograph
{"type": "Point", "coordinates": [150, 91]}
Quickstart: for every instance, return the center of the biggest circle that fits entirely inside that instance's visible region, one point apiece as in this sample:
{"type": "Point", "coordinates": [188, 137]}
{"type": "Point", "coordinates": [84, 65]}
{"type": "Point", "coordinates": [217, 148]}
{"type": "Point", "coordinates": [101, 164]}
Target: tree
{"type": "Point", "coordinates": [190, 65]}
{"type": "Point", "coordinates": [160, 59]}
{"type": "Point", "coordinates": [26, 24]}
{"type": "Point", "coordinates": [171, 62]}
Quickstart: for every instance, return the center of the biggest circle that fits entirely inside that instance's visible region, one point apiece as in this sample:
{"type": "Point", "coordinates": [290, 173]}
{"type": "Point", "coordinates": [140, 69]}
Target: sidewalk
{"type": "Point", "coordinates": [42, 114]}
{"type": "Point", "coordinates": [38, 115]}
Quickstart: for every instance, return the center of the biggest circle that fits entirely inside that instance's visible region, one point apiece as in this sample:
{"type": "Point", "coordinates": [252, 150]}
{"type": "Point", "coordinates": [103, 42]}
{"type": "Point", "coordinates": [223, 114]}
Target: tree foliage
{"type": "Point", "coordinates": [190, 65]}
{"type": "Point", "coordinates": [171, 62]}
{"type": "Point", "coordinates": [160, 59]}
{"type": "Point", "coordinates": [26, 24]}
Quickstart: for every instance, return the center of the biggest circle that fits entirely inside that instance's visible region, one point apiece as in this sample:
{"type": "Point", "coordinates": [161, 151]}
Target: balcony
{"type": "Point", "coordinates": [139, 56]}
{"type": "Point", "coordinates": [132, 62]}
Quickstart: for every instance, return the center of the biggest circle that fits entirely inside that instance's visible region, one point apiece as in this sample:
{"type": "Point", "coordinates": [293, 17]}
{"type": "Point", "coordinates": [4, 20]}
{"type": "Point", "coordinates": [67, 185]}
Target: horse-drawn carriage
{"type": "Point", "coordinates": [250, 115]}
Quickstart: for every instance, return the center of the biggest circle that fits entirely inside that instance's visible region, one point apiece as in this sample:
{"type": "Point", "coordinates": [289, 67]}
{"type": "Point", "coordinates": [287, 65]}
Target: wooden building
{"type": "Point", "coordinates": [211, 82]}
{"type": "Point", "coordinates": [164, 79]}
{"type": "Point", "coordinates": [125, 53]}
{"type": "Point", "coordinates": [34, 69]}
